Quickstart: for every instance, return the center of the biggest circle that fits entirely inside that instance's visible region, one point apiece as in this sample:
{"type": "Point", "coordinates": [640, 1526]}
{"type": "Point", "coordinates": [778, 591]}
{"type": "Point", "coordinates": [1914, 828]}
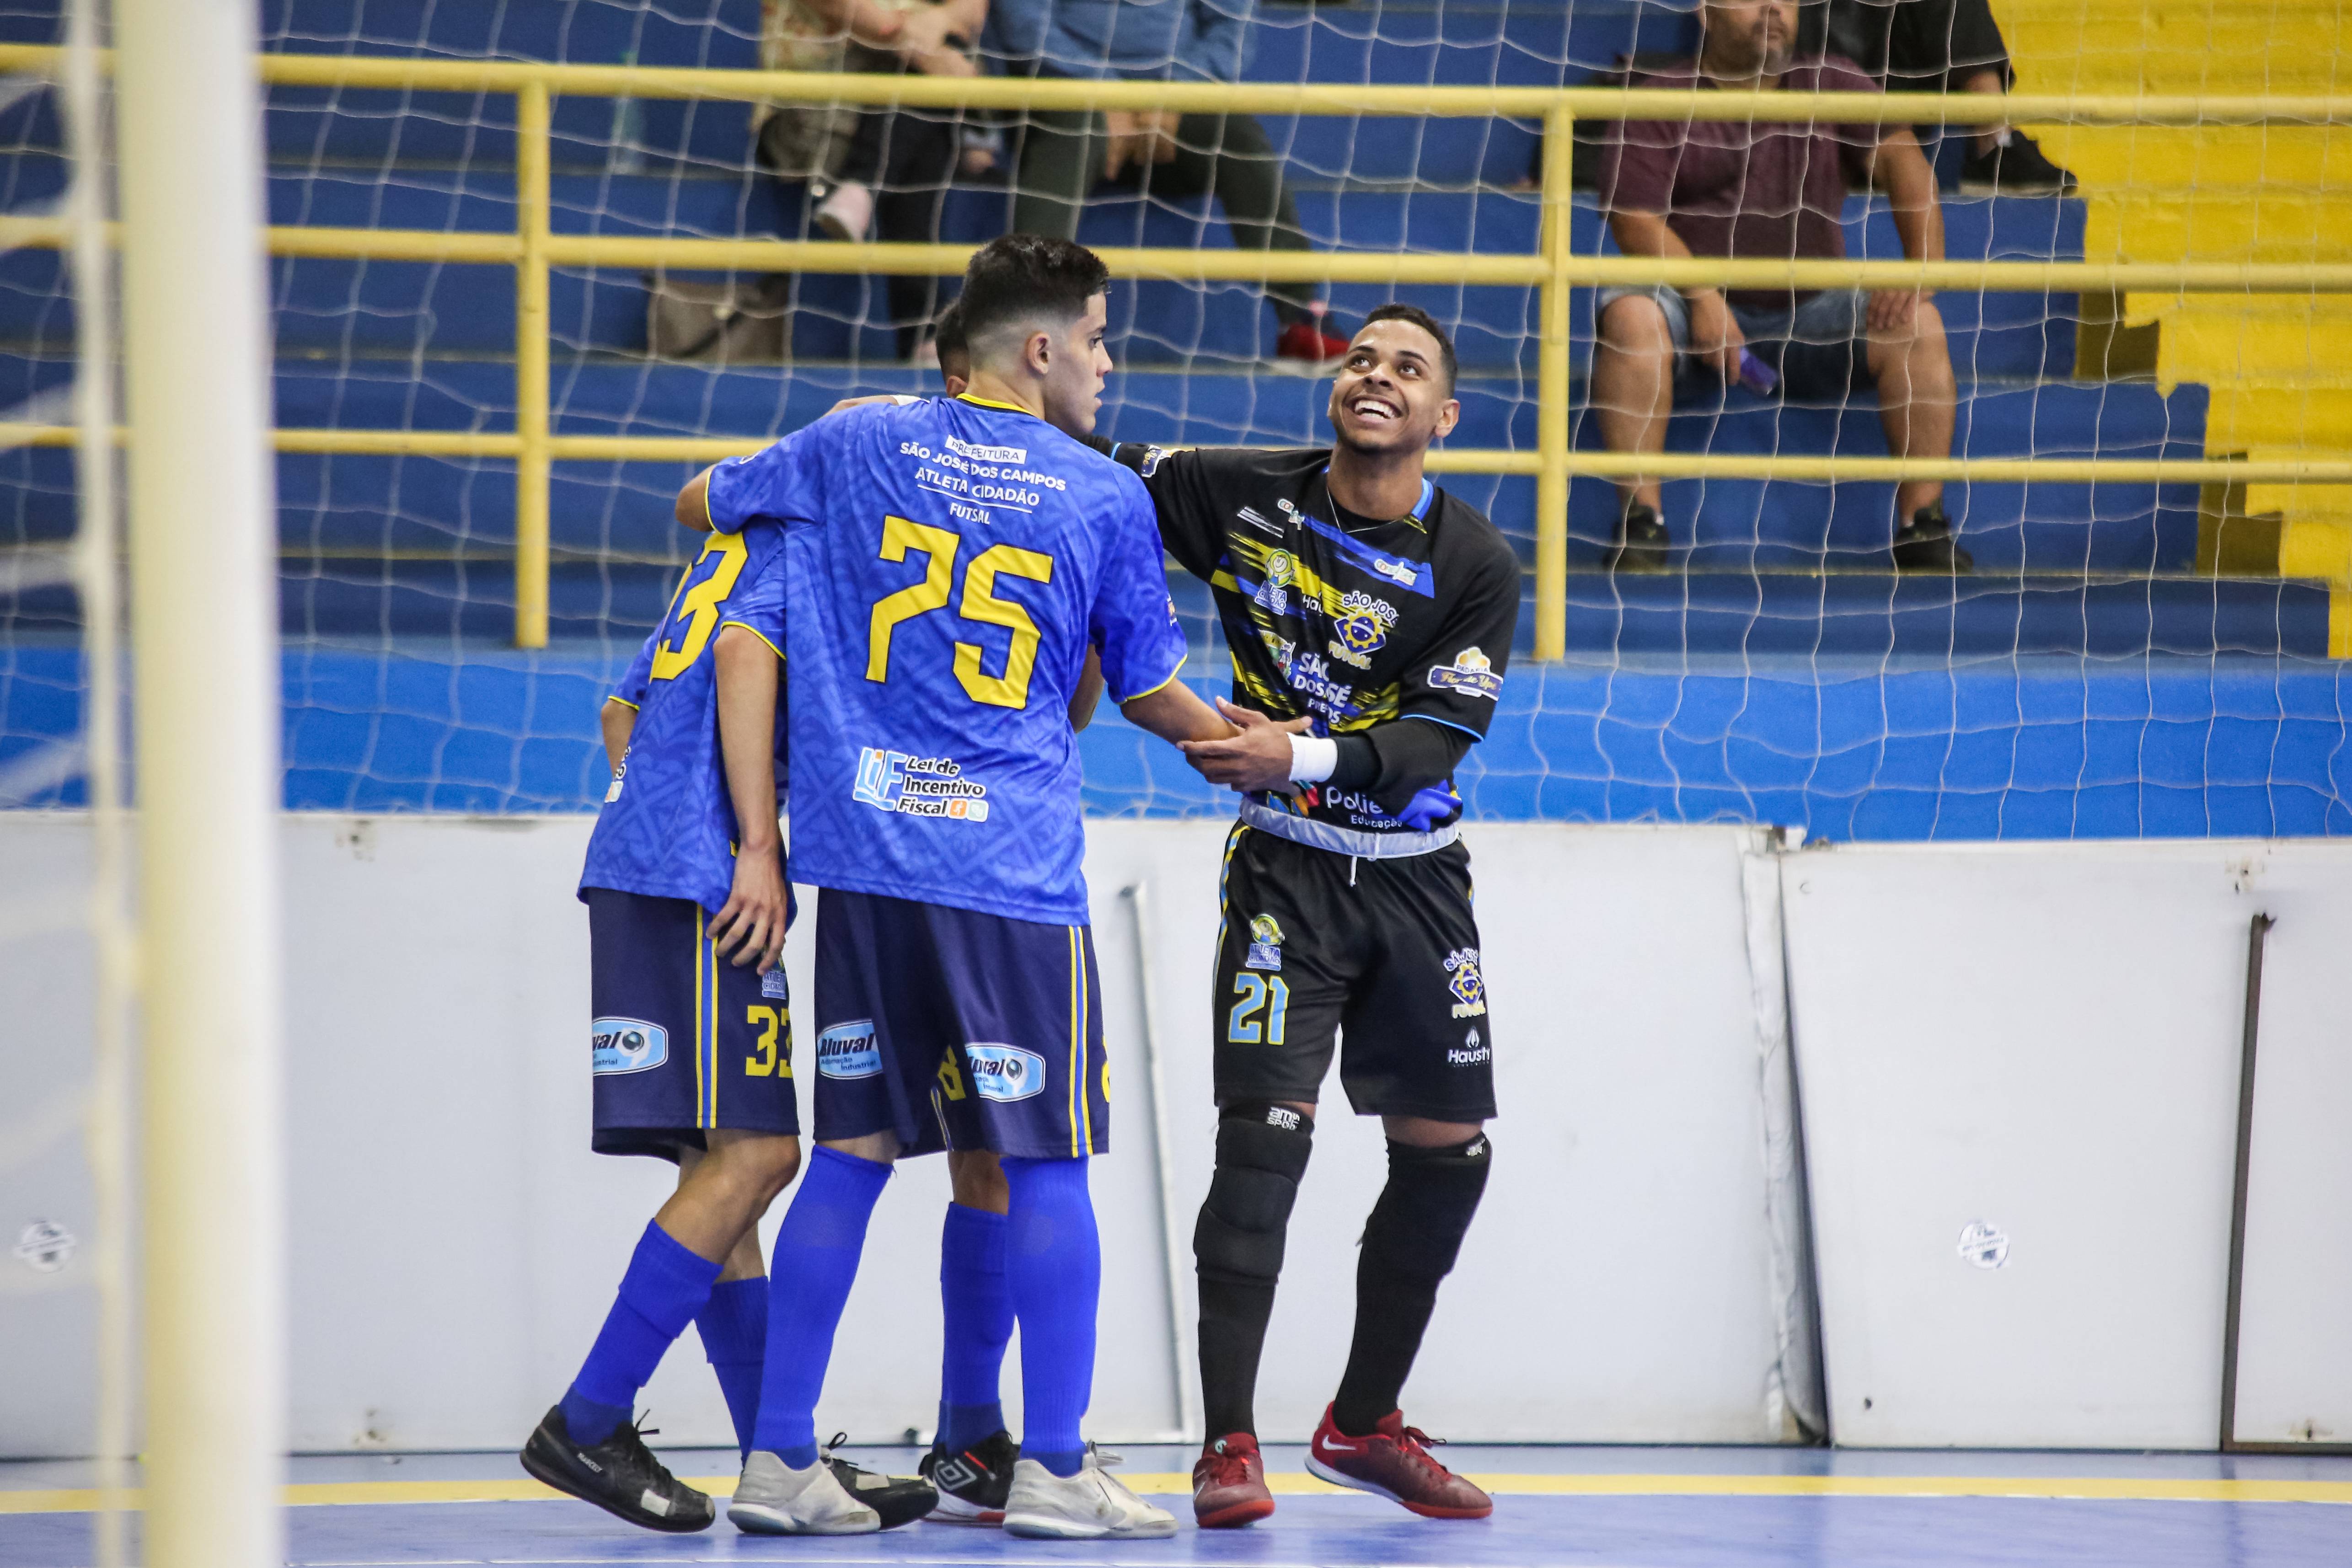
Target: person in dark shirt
{"type": "Point", "coordinates": [1939, 45]}
{"type": "Point", "coordinates": [1370, 616]}
{"type": "Point", "coordinates": [1768, 191]}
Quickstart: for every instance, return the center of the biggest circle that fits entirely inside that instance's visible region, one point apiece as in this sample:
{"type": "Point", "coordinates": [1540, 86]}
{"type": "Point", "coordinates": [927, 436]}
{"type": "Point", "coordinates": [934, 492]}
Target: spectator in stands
{"type": "Point", "coordinates": [1939, 45]}
{"type": "Point", "coordinates": [1680, 188]}
{"type": "Point", "coordinates": [879, 168]}
{"type": "Point", "coordinates": [1063, 154]}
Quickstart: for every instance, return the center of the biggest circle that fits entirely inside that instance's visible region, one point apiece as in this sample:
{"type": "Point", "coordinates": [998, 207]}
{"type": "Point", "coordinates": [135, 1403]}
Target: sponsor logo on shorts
{"type": "Point", "coordinates": [1472, 673]}
{"type": "Point", "coordinates": [1470, 1052]}
{"type": "Point", "coordinates": [1005, 1072]}
{"type": "Point", "coordinates": [628, 1045]}
{"type": "Point", "coordinates": [847, 1051]}
{"type": "Point", "coordinates": [774, 985]}
{"type": "Point", "coordinates": [1469, 989]}
{"type": "Point", "coordinates": [1361, 629]}
{"type": "Point", "coordinates": [918, 786]}
{"type": "Point", "coordinates": [1265, 944]}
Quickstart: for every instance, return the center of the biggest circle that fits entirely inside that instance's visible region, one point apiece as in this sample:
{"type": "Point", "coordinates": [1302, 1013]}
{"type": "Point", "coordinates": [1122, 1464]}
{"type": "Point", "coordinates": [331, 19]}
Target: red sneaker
{"type": "Point", "coordinates": [1229, 1484]}
{"type": "Point", "coordinates": [1308, 341]}
{"type": "Point", "coordinates": [1394, 1462]}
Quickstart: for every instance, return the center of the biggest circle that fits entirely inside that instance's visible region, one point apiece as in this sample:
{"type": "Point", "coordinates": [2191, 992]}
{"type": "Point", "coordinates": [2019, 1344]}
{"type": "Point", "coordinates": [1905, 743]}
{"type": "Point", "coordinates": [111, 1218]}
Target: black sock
{"type": "Point", "coordinates": [1410, 1244]}
{"type": "Point", "coordinates": [1233, 1337]}
{"type": "Point", "coordinates": [1391, 1314]}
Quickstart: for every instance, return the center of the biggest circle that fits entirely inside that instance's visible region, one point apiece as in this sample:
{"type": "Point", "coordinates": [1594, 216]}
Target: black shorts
{"type": "Point", "coordinates": [958, 1030]}
{"type": "Point", "coordinates": [683, 1041]}
{"type": "Point", "coordinates": [1382, 952]}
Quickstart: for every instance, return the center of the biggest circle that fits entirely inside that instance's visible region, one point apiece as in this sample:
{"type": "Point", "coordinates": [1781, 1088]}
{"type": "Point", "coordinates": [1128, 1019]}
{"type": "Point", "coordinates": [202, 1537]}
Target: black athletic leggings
{"type": "Point", "coordinates": [1225, 155]}
{"type": "Point", "coordinates": [908, 158]}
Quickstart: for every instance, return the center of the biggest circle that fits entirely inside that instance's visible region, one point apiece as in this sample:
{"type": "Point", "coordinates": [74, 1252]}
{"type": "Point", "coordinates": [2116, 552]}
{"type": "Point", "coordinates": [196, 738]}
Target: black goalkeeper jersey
{"type": "Point", "coordinates": [1355, 626]}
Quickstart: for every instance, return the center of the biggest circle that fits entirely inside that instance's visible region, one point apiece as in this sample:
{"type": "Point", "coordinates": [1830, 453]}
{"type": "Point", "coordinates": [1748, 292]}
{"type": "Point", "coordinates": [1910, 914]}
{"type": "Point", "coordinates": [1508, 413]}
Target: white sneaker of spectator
{"type": "Point", "coordinates": [847, 215]}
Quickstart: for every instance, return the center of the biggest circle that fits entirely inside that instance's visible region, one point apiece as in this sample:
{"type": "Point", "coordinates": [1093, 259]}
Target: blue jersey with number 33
{"type": "Point", "coordinates": [949, 561]}
{"type": "Point", "coordinates": [667, 827]}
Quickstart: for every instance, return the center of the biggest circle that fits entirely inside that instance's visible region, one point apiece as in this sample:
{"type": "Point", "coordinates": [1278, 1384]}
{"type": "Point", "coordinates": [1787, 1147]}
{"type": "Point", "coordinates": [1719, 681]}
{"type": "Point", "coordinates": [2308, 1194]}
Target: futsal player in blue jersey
{"type": "Point", "coordinates": [691, 1043]}
{"type": "Point", "coordinates": [952, 562]}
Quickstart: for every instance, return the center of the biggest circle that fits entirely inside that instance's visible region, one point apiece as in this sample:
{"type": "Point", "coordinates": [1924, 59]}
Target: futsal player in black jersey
{"type": "Point", "coordinates": [1370, 615]}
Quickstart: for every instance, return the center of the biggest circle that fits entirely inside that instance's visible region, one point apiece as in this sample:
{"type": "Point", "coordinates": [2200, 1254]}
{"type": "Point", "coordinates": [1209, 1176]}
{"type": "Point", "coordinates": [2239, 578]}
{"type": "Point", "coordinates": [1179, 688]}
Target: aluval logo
{"type": "Point", "coordinates": [628, 1045]}
{"type": "Point", "coordinates": [1005, 1072]}
{"type": "Point", "coordinates": [847, 1051]}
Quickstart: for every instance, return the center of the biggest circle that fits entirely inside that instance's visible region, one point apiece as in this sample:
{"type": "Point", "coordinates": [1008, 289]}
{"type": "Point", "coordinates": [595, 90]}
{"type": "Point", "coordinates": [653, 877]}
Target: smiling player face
{"type": "Point", "coordinates": [1077, 370]}
{"type": "Point", "coordinates": [1390, 395]}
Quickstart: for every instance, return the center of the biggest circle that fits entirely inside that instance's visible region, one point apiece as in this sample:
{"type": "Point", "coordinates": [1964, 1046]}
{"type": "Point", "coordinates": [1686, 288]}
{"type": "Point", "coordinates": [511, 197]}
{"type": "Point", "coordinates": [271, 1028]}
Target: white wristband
{"type": "Point", "coordinates": [1313, 757]}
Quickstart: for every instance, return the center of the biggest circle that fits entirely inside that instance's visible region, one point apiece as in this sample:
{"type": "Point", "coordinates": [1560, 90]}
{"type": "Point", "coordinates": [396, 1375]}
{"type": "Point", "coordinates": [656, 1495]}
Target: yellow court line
{"type": "Point", "coordinates": [2101, 1488]}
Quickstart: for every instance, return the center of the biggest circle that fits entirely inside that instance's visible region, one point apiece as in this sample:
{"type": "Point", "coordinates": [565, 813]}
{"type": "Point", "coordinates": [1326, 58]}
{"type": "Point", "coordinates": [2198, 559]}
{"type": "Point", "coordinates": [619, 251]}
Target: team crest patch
{"type": "Point", "coordinates": [1265, 944]}
{"type": "Point", "coordinates": [1153, 456]}
{"type": "Point", "coordinates": [774, 985]}
{"type": "Point", "coordinates": [847, 1051]}
{"type": "Point", "coordinates": [1361, 629]}
{"type": "Point", "coordinates": [1281, 578]}
{"type": "Point", "coordinates": [1468, 988]}
{"type": "Point", "coordinates": [1005, 1072]}
{"type": "Point", "coordinates": [1472, 673]}
{"type": "Point", "coordinates": [628, 1045]}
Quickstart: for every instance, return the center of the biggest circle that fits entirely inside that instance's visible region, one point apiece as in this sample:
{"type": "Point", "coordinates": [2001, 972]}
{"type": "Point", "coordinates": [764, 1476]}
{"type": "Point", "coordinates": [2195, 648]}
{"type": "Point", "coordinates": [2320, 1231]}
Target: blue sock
{"type": "Point", "coordinates": [1053, 1263]}
{"type": "Point", "coordinates": [815, 1261]}
{"type": "Point", "coordinates": [979, 1312]}
{"type": "Point", "coordinates": [734, 1328]}
{"type": "Point", "coordinates": [665, 1287]}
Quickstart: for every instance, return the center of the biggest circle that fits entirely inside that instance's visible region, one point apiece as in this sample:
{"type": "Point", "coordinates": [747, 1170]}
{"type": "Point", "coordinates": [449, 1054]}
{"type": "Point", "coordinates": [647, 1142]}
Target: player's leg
{"type": "Point", "coordinates": [970, 1461]}
{"type": "Point", "coordinates": [689, 1056]}
{"type": "Point", "coordinates": [1281, 979]}
{"type": "Point", "coordinates": [867, 1019]}
{"type": "Point", "coordinates": [1026, 1082]}
{"type": "Point", "coordinates": [1418, 1051]}
{"type": "Point", "coordinates": [1638, 336]}
{"type": "Point", "coordinates": [1060, 152]}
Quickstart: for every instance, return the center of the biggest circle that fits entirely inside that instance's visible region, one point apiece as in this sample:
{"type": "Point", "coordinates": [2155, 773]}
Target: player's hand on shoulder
{"type": "Point", "coordinates": [846, 405]}
{"type": "Point", "coordinates": [1258, 757]}
{"type": "Point", "coordinates": [750, 927]}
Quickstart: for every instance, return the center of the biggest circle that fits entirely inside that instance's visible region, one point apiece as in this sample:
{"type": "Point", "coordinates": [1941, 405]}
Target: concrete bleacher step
{"type": "Point", "coordinates": [1865, 613]}
{"type": "Point", "coordinates": [325, 306]}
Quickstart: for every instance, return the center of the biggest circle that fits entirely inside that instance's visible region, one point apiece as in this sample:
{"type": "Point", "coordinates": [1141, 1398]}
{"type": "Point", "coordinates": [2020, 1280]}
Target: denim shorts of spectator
{"type": "Point", "coordinates": [1819, 348]}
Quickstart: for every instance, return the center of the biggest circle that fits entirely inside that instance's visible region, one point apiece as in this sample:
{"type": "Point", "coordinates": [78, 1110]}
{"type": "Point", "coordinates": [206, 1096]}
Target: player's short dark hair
{"type": "Point", "coordinates": [948, 336]}
{"type": "Point", "coordinates": [1027, 277]}
{"type": "Point", "coordinates": [1427, 323]}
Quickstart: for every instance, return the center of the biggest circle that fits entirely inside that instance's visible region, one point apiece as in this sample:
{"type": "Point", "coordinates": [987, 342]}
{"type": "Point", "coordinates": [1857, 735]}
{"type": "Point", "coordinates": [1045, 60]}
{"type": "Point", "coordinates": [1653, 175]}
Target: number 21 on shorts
{"type": "Point", "coordinates": [1269, 992]}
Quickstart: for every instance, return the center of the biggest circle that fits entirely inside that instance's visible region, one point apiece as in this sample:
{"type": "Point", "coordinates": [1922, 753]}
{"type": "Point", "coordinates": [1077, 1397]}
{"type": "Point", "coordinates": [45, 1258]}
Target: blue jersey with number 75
{"type": "Point", "coordinates": [668, 826]}
{"type": "Point", "coordinates": [947, 564]}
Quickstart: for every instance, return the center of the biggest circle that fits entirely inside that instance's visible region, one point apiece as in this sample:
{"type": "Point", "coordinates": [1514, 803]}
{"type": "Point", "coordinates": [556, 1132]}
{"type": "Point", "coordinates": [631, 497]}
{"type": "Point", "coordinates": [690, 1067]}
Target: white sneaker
{"type": "Point", "coordinates": [773, 1499]}
{"type": "Point", "coordinates": [1088, 1506]}
{"type": "Point", "coordinates": [848, 212]}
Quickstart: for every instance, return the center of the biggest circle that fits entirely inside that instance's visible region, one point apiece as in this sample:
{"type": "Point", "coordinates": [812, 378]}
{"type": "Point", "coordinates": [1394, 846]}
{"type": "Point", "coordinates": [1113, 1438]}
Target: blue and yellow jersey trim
{"type": "Point", "coordinates": [617, 697]}
{"type": "Point", "coordinates": [706, 1024]}
{"type": "Point", "coordinates": [1082, 1107]}
{"type": "Point", "coordinates": [991, 402]}
{"type": "Point", "coordinates": [1163, 687]}
{"type": "Point", "coordinates": [755, 631]}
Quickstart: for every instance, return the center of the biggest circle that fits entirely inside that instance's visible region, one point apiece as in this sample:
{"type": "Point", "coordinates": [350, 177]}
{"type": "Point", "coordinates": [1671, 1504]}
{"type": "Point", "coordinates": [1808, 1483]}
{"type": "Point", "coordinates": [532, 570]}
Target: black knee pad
{"type": "Point", "coordinates": [1262, 1151]}
{"type": "Point", "coordinates": [1415, 1231]}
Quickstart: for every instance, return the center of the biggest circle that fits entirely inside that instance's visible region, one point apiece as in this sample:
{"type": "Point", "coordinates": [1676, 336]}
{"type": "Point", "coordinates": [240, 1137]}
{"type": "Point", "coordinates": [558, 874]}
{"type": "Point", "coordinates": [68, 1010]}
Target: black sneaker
{"type": "Point", "coordinates": [1926, 544]}
{"type": "Point", "coordinates": [972, 1485]}
{"type": "Point", "coordinates": [899, 1499]}
{"type": "Point", "coordinates": [2013, 165]}
{"type": "Point", "coordinates": [1641, 542]}
{"type": "Point", "coordinates": [619, 1475]}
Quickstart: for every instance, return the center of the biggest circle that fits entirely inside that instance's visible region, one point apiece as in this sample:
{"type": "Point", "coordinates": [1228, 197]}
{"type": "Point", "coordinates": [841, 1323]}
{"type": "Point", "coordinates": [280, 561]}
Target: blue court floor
{"type": "Point", "coordinates": [1620, 1508]}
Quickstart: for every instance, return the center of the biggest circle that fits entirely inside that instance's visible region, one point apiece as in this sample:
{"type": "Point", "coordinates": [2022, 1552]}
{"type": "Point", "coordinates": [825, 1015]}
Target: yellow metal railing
{"type": "Point", "coordinates": [532, 249]}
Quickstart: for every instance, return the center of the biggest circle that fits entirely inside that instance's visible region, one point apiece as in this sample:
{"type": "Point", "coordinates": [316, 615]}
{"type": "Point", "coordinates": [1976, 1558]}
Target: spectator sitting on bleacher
{"type": "Point", "coordinates": [1062, 153]}
{"type": "Point", "coordinates": [1939, 45]}
{"type": "Point", "coordinates": [1680, 188]}
{"type": "Point", "coordinates": [878, 168]}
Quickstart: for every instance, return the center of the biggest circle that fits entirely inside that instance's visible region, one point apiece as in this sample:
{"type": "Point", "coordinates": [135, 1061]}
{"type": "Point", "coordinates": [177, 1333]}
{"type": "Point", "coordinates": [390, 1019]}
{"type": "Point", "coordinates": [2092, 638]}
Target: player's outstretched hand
{"type": "Point", "coordinates": [1256, 758]}
{"type": "Point", "coordinates": [750, 928]}
{"type": "Point", "coordinates": [846, 405]}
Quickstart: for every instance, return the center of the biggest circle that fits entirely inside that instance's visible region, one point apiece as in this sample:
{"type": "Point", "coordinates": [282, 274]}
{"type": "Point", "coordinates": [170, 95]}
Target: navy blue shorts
{"type": "Point", "coordinates": [956, 1030]}
{"type": "Point", "coordinates": [683, 1040]}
